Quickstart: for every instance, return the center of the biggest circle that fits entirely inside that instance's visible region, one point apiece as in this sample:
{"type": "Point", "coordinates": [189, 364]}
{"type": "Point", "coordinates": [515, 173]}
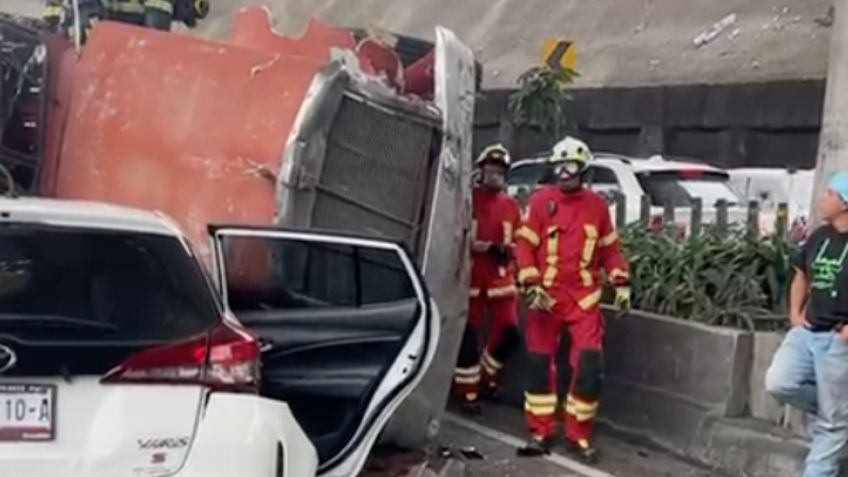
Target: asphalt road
{"type": "Point", "coordinates": [485, 447]}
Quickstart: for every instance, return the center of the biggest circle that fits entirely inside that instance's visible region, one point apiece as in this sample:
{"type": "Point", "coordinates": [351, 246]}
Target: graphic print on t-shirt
{"type": "Point", "coordinates": [827, 269]}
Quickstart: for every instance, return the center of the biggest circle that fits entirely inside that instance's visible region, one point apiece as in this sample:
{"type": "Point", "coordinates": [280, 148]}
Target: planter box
{"type": "Point", "coordinates": [669, 377]}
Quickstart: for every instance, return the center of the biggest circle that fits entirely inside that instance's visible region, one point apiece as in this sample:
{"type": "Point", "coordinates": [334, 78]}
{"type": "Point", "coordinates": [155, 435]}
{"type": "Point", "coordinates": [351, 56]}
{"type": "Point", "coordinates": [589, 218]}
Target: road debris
{"type": "Point", "coordinates": [827, 20]}
{"type": "Point", "coordinates": [714, 31]}
{"type": "Point", "coordinates": [467, 453]}
{"type": "Point", "coordinates": [471, 453]}
{"type": "Point", "coordinates": [735, 33]}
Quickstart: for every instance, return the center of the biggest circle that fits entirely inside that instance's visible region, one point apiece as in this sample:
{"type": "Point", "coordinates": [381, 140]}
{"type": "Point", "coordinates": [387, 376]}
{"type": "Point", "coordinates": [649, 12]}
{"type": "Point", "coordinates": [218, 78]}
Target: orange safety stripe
{"type": "Point", "coordinates": [466, 380]}
{"type": "Point", "coordinates": [508, 290]}
{"type": "Point", "coordinates": [582, 411]}
{"type": "Point", "coordinates": [527, 273]}
{"type": "Point", "coordinates": [51, 11]}
{"type": "Point", "coordinates": [490, 364]}
{"type": "Point", "coordinates": [588, 251]}
{"type": "Point", "coordinates": [608, 239]}
{"type": "Point", "coordinates": [472, 371]}
{"type": "Point", "coordinates": [552, 258]}
{"type": "Point", "coordinates": [467, 375]}
{"type": "Point", "coordinates": [590, 300]}
{"type": "Point", "coordinates": [529, 235]}
{"type": "Point", "coordinates": [162, 5]}
{"type": "Point", "coordinates": [540, 404]}
{"type": "Point", "coordinates": [125, 6]}
{"type": "Point", "coordinates": [507, 232]}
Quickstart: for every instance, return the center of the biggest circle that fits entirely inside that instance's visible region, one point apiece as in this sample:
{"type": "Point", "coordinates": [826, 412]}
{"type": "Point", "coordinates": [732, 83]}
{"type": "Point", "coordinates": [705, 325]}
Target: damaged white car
{"type": "Point", "coordinates": [120, 356]}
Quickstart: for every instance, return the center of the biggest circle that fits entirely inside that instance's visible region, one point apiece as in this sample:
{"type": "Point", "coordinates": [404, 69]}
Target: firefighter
{"type": "Point", "coordinates": [53, 14]}
{"type": "Point", "coordinates": [496, 217]}
{"type": "Point", "coordinates": [158, 14]}
{"type": "Point", "coordinates": [566, 239]}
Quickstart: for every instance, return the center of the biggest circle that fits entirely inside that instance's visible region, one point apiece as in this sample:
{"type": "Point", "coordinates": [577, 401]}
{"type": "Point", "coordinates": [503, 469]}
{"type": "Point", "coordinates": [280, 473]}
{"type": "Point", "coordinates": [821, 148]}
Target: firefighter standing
{"type": "Point", "coordinates": [565, 240]}
{"type": "Point", "coordinates": [496, 217]}
{"type": "Point", "coordinates": [158, 14]}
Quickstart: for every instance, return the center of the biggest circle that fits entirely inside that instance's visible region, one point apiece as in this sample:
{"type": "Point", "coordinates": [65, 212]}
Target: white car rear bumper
{"type": "Point", "coordinates": [238, 436]}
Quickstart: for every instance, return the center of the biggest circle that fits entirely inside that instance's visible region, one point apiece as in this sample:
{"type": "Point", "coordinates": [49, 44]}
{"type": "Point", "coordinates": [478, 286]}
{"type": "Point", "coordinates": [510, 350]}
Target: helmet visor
{"type": "Point", "coordinates": [569, 169]}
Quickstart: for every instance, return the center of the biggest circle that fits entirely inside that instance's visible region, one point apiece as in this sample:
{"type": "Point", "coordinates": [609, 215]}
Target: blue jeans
{"type": "Point", "coordinates": [810, 372]}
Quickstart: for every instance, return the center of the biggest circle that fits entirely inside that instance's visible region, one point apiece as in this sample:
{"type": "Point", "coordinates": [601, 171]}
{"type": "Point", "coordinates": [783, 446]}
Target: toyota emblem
{"type": "Point", "coordinates": [8, 359]}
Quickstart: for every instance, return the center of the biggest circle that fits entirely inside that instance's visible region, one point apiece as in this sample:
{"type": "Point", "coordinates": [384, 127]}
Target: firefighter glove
{"type": "Point", "coordinates": [537, 298]}
{"type": "Point", "coordinates": [622, 298]}
{"type": "Point", "coordinates": [500, 252]}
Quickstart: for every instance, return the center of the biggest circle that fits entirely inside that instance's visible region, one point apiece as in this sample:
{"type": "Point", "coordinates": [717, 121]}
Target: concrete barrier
{"type": "Point", "coordinates": [668, 377]}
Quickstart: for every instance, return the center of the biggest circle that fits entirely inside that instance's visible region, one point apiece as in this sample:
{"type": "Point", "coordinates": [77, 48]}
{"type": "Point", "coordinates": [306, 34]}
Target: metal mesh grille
{"type": "Point", "coordinates": [376, 173]}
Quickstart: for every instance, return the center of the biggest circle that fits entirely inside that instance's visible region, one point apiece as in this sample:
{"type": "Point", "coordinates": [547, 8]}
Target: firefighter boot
{"type": "Point", "coordinates": [535, 447]}
{"type": "Point", "coordinates": [582, 449]}
{"type": "Point", "coordinates": [471, 408]}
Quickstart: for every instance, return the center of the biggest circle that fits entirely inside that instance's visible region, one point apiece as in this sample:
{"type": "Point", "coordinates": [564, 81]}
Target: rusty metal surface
{"type": "Point", "coordinates": [193, 128]}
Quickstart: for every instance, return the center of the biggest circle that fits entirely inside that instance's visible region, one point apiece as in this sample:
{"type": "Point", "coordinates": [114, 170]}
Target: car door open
{"type": "Point", "coordinates": [347, 326]}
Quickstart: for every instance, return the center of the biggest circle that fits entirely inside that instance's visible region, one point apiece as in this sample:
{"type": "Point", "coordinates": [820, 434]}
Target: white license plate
{"type": "Point", "coordinates": [27, 412]}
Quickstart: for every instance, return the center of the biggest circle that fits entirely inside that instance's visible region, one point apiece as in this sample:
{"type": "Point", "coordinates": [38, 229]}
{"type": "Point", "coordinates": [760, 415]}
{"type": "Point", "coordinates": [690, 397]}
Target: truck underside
{"type": "Point", "coordinates": [332, 130]}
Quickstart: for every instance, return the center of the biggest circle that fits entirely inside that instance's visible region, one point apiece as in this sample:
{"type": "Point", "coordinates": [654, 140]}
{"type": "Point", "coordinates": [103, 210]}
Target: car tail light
{"type": "Point", "coordinates": [691, 172]}
{"type": "Point", "coordinates": [225, 358]}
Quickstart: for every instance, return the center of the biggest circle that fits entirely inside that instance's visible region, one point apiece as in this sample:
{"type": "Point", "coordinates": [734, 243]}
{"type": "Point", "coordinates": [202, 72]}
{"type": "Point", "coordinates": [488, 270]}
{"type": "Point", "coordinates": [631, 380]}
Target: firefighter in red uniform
{"type": "Point", "coordinates": [566, 239]}
{"type": "Point", "coordinates": [493, 289]}
{"type": "Point", "coordinates": [158, 14]}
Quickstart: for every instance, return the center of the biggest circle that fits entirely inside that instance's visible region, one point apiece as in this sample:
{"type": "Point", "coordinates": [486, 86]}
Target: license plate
{"type": "Point", "coordinates": [27, 412]}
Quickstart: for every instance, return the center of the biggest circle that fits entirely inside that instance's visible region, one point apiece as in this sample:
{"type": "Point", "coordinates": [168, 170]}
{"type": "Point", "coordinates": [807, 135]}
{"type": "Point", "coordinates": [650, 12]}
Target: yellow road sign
{"type": "Point", "coordinates": [558, 53]}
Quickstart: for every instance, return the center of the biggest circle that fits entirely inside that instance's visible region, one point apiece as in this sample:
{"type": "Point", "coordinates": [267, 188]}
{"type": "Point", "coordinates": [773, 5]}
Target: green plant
{"type": "Point", "coordinates": [540, 99]}
{"type": "Point", "coordinates": [734, 279]}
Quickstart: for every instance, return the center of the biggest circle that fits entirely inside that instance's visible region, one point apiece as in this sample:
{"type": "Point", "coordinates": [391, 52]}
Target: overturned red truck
{"type": "Point", "coordinates": [330, 130]}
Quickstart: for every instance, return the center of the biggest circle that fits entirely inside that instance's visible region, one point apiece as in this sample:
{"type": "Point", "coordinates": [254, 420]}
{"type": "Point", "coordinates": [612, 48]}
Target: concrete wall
{"type": "Point", "coordinates": [768, 124]}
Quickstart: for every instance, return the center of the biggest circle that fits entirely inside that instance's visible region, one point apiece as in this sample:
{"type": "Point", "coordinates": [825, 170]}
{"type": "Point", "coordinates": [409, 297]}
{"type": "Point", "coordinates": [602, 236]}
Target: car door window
{"type": "Point", "coordinates": [264, 274]}
{"type": "Point", "coordinates": [382, 277]}
{"type": "Point", "coordinates": [345, 323]}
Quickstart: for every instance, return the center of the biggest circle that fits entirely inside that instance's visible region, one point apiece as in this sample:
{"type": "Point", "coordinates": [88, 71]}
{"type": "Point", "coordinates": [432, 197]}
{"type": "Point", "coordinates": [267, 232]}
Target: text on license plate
{"type": "Point", "coordinates": [27, 412]}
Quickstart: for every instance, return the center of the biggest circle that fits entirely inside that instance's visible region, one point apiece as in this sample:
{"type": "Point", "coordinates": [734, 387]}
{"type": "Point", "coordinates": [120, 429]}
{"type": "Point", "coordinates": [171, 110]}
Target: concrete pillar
{"type": "Point", "coordinates": [651, 141]}
{"type": "Point", "coordinates": [833, 142]}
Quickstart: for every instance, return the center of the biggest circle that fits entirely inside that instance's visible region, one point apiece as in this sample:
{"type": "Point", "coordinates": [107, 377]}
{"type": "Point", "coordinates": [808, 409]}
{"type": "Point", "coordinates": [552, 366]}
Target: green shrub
{"type": "Point", "coordinates": [733, 279]}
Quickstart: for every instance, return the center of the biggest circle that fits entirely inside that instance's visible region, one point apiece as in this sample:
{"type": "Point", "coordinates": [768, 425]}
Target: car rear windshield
{"type": "Point", "coordinates": [90, 285]}
{"type": "Point", "coordinates": [678, 188]}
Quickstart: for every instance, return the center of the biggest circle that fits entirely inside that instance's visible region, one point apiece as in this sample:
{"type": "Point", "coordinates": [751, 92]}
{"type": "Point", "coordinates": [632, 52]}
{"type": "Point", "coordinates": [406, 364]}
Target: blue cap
{"type": "Point", "coordinates": [839, 184]}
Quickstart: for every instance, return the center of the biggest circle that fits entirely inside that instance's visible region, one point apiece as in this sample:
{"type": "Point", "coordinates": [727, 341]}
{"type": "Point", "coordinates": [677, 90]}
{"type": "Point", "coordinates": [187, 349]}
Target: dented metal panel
{"type": "Point", "coordinates": [445, 262]}
{"type": "Point", "coordinates": [187, 126]}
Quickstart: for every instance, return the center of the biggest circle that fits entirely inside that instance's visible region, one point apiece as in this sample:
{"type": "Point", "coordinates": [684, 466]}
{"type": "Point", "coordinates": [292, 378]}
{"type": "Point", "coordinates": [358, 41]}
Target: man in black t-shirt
{"type": "Point", "coordinates": [810, 369]}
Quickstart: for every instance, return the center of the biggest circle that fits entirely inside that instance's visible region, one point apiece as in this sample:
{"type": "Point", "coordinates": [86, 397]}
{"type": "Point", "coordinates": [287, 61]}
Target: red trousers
{"type": "Point", "coordinates": [501, 337]}
{"type": "Point", "coordinates": [575, 386]}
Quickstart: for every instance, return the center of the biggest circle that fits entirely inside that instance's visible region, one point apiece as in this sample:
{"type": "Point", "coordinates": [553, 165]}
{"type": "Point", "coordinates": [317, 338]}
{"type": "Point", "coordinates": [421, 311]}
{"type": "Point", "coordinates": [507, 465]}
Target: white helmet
{"type": "Point", "coordinates": [571, 149]}
{"type": "Point", "coordinates": [495, 153]}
